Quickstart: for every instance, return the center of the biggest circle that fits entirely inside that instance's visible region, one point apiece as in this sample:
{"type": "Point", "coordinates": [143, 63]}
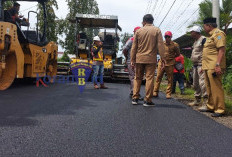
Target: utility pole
{"type": "Point", "coordinates": [216, 11]}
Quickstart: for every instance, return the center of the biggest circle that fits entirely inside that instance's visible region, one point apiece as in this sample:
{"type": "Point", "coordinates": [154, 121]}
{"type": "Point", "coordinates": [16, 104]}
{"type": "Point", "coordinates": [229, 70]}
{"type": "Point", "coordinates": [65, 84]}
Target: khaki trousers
{"type": "Point", "coordinates": [215, 92]}
{"type": "Point", "coordinates": [160, 73]}
{"type": "Point", "coordinates": [149, 70]}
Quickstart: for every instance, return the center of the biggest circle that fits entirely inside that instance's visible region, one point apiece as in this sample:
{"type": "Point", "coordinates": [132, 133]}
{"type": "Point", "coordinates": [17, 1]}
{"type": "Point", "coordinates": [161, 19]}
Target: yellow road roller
{"type": "Point", "coordinates": [25, 52]}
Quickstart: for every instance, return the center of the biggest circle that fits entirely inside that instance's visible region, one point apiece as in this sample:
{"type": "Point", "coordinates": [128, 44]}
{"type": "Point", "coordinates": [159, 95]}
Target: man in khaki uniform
{"type": "Point", "coordinates": [171, 52]}
{"type": "Point", "coordinates": [198, 73]}
{"type": "Point", "coordinates": [214, 64]}
{"type": "Point", "coordinates": [147, 42]}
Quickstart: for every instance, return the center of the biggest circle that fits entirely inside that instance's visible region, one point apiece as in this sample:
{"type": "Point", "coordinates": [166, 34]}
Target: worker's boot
{"type": "Point", "coordinates": [196, 102]}
{"type": "Point", "coordinates": [96, 86]}
{"type": "Point", "coordinates": [168, 96]}
{"type": "Point", "coordinates": [155, 94]}
{"type": "Point", "coordinates": [204, 104]}
{"type": "Point", "coordinates": [205, 101]}
{"type": "Point", "coordinates": [102, 86]}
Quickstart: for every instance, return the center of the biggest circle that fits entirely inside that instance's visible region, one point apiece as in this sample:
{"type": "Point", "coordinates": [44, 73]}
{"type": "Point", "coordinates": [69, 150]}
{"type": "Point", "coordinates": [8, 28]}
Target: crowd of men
{"type": "Point", "coordinates": [208, 57]}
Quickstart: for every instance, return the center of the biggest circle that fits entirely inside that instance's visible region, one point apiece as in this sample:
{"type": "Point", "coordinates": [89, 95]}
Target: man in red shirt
{"type": "Point", "coordinates": [178, 74]}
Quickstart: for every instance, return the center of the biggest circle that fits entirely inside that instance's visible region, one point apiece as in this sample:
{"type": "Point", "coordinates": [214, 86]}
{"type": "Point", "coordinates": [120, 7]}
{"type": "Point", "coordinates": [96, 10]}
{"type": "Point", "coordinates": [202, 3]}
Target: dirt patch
{"type": "Point", "coordinates": [225, 120]}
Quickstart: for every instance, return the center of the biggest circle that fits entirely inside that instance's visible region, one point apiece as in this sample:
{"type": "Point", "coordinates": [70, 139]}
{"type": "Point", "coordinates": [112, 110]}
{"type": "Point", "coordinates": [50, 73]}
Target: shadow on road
{"type": "Point", "coordinates": [20, 106]}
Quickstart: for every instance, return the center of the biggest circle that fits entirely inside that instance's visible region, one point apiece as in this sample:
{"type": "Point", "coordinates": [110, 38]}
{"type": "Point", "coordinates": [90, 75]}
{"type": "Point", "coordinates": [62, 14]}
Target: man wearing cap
{"type": "Point", "coordinates": [214, 64]}
{"type": "Point", "coordinates": [126, 52]}
{"type": "Point", "coordinates": [98, 65]}
{"type": "Point", "coordinates": [171, 52]}
{"type": "Point", "coordinates": [147, 42]}
{"type": "Point", "coordinates": [198, 73]}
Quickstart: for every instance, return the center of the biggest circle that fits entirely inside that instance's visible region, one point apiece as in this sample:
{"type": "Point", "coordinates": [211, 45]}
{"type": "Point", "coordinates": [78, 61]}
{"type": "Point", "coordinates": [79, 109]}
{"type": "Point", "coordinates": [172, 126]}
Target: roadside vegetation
{"type": "Point", "coordinates": [205, 10]}
{"type": "Point", "coordinates": [189, 96]}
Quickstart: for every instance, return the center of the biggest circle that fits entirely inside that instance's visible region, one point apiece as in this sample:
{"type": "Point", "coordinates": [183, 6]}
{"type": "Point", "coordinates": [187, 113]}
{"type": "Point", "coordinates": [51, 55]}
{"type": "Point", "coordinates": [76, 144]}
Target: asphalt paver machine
{"type": "Point", "coordinates": [110, 41]}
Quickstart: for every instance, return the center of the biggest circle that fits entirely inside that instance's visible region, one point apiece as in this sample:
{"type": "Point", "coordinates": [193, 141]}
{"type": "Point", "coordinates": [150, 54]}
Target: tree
{"type": "Point", "coordinates": [64, 58]}
{"type": "Point", "coordinates": [52, 24]}
{"type": "Point", "coordinates": [124, 38]}
{"type": "Point", "coordinates": [69, 29]}
{"type": "Point", "coordinates": [206, 11]}
{"type": "Point", "coordinates": [7, 5]}
{"type": "Point", "coordinates": [225, 21]}
{"type": "Point", "coordinates": [226, 18]}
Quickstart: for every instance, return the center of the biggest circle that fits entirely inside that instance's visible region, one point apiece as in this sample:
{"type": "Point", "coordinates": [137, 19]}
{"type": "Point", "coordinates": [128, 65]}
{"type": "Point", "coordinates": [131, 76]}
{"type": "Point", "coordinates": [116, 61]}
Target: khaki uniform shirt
{"type": "Point", "coordinates": [172, 51]}
{"type": "Point", "coordinates": [147, 42]}
{"type": "Point", "coordinates": [216, 40]}
{"type": "Point", "coordinates": [196, 56]}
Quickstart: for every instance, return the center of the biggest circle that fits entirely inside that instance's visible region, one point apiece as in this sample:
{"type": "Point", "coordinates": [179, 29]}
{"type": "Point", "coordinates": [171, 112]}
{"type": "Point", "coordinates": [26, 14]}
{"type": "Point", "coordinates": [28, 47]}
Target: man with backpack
{"type": "Point", "coordinates": [178, 74]}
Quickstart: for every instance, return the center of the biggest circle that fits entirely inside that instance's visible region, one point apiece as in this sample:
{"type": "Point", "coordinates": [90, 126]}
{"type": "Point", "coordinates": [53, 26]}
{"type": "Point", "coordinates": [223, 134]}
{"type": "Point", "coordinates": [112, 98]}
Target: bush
{"type": "Point", "coordinates": [228, 50]}
{"type": "Point", "coordinates": [188, 70]}
{"type": "Point", "coordinates": [227, 80]}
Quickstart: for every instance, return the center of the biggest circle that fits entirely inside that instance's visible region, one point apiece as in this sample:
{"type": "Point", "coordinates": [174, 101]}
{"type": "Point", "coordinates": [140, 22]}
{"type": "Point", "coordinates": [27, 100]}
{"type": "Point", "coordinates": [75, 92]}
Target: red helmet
{"type": "Point", "coordinates": [168, 33]}
{"type": "Point", "coordinates": [136, 28]}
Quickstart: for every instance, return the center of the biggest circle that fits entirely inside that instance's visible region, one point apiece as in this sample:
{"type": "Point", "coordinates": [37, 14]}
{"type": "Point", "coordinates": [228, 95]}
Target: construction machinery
{"type": "Point", "coordinates": [110, 41]}
{"type": "Point", "coordinates": [25, 53]}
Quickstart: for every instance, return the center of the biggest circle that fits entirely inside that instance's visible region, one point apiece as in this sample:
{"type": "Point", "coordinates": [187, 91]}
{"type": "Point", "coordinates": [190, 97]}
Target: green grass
{"type": "Point", "coordinates": [228, 103]}
{"type": "Point", "coordinates": [189, 94]}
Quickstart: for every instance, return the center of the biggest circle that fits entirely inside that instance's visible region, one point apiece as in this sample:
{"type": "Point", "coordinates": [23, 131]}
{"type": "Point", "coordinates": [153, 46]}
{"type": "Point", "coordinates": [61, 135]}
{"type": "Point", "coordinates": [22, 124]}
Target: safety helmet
{"type": "Point", "coordinates": [168, 33]}
{"type": "Point", "coordinates": [96, 38]}
{"type": "Point", "coordinates": [136, 28]}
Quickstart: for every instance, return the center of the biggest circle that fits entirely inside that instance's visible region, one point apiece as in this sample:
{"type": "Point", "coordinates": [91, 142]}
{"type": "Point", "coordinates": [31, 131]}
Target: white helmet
{"type": "Point", "coordinates": [195, 29]}
{"type": "Point", "coordinates": [96, 38]}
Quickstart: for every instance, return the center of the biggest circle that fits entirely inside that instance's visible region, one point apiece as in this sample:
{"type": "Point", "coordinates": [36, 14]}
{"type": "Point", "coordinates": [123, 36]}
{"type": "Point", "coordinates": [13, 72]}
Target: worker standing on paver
{"type": "Point", "coordinates": [171, 51]}
{"type": "Point", "coordinates": [148, 41]}
{"type": "Point", "coordinates": [214, 64]}
{"type": "Point", "coordinates": [198, 73]}
{"type": "Point", "coordinates": [126, 52]}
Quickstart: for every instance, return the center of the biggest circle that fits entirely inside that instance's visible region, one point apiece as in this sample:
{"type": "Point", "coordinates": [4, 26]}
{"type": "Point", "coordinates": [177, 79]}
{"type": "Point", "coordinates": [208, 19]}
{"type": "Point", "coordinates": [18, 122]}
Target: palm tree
{"type": "Point", "coordinates": [206, 11]}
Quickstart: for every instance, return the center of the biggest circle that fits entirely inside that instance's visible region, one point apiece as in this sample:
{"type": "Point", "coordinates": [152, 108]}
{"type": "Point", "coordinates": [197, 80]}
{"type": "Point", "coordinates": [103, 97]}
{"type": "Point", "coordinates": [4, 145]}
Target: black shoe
{"type": "Point", "coordinates": [131, 94]}
{"type": "Point", "coordinates": [148, 104]}
{"type": "Point", "coordinates": [182, 92]}
{"type": "Point", "coordinates": [217, 114]}
{"type": "Point", "coordinates": [141, 98]}
{"type": "Point", "coordinates": [135, 101]}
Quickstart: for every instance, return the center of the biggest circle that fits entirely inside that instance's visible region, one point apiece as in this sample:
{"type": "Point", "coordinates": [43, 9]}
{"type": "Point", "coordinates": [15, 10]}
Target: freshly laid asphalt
{"type": "Point", "coordinates": [60, 121]}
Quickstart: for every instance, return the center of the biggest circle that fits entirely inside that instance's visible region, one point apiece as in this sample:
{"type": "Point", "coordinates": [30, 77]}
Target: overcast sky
{"type": "Point", "coordinates": [131, 12]}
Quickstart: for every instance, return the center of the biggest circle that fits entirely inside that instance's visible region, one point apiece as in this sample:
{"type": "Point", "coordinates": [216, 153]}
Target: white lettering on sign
{"type": "Point", "coordinates": [96, 16]}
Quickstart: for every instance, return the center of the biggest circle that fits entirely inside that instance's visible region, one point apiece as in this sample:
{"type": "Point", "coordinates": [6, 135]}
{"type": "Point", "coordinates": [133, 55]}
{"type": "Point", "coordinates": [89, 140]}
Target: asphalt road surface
{"type": "Point", "coordinates": [59, 121]}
